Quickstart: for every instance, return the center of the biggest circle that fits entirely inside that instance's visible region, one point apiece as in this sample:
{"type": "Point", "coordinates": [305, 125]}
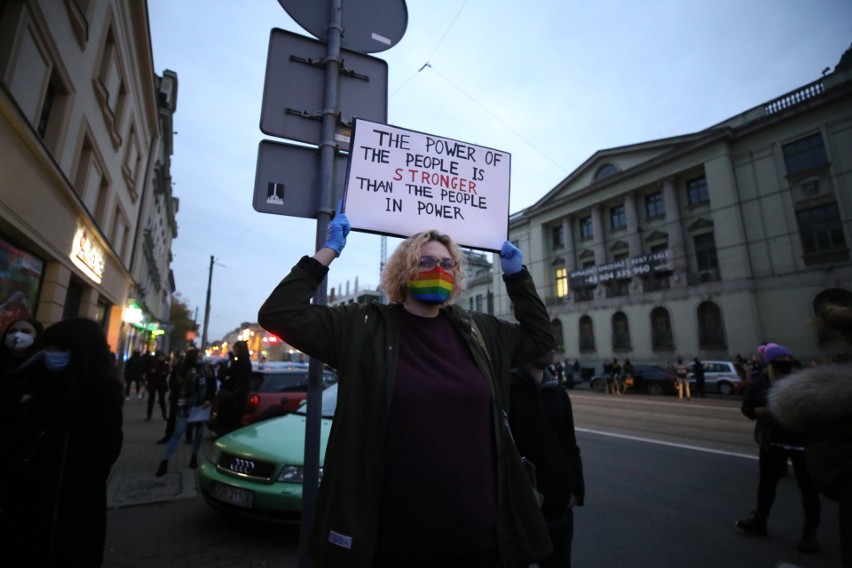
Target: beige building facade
{"type": "Point", "coordinates": [706, 244]}
{"type": "Point", "coordinates": [86, 211]}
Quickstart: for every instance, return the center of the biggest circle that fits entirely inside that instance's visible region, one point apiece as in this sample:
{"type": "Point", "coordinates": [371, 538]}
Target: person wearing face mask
{"type": "Point", "coordinates": [66, 439]}
{"type": "Point", "coordinates": [420, 469]}
{"type": "Point", "coordinates": [778, 444]}
{"type": "Point", "coordinates": [543, 427]}
{"type": "Point", "coordinates": [20, 341]}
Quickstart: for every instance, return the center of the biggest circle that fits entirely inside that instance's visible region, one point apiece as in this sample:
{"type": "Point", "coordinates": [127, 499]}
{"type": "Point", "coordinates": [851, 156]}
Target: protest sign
{"type": "Point", "coordinates": [400, 182]}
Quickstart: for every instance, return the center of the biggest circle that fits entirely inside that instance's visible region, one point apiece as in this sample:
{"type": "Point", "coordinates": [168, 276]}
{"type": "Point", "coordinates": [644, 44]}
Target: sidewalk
{"type": "Point", "coordinates": [164, 523]}
{"type": "Point", "coordinates": [132, 480]}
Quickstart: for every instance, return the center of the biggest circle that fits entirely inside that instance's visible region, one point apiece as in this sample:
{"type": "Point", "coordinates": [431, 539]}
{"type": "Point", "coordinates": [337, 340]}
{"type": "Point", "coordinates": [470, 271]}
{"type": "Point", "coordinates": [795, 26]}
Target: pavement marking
{"type": "Point", "coordinates": [140, 489]}
{"type": "Point", "coordinates": [670, 444]}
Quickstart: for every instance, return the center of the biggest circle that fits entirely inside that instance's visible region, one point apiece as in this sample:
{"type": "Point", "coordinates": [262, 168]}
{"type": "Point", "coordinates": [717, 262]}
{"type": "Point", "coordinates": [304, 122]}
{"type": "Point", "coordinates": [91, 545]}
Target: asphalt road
{"type": "Point", "coordinates": [665, 483]}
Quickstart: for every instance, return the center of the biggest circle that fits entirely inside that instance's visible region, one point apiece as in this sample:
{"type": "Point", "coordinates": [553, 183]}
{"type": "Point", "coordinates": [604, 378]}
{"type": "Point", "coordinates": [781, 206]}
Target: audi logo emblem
{"type": "Point", "coordinates": [242, 466]}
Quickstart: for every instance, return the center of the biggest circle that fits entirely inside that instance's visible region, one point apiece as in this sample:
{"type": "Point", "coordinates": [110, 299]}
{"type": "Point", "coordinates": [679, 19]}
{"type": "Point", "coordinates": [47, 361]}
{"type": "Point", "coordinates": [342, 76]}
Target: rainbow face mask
{"type": "Point", "coordinates": [432, 286]}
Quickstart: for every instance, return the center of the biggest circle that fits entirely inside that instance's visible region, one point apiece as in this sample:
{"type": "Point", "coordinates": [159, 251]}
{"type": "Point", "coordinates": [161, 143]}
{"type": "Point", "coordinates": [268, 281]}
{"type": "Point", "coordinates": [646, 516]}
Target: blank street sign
{"type": "Point", "coordinates": [287, 180]}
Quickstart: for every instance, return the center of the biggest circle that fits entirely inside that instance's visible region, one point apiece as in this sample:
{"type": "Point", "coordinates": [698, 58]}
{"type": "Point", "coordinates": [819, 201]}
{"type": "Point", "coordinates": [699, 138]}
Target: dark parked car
{"type": "Point", "coordinates": [275, 389]}
{"type": "Point", "coordinates": [650, 379]}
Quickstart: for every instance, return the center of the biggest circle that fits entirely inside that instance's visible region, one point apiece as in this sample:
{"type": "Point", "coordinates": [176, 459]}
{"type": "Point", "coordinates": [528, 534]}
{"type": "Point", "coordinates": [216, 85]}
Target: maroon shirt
{"type": "Point", "coordinates": [439, 494]}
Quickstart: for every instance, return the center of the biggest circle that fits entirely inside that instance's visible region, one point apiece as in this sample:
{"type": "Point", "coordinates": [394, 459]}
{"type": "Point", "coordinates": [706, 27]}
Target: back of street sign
{"type": "Point", "coordinates": [293, 87]}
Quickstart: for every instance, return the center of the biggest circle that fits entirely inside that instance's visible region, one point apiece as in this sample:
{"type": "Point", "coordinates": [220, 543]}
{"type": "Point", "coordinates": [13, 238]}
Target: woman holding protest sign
{"type": "Point", "coordinates": [420, 469]}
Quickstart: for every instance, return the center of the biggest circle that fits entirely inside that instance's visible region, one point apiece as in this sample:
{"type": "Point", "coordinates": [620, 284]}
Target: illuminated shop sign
{"type": "Point", "coordinates": [626, 269]}
{"type": "Point", "coordinates": [87, 255]}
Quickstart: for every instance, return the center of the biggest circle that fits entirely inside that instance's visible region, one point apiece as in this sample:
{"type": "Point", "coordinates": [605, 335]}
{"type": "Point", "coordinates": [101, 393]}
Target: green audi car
{"type": "Point", "coordinates": [257, 471]}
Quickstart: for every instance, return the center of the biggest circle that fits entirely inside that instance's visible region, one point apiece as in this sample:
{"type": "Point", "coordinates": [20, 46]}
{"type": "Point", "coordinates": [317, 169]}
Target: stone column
{"type": "Point", "coordinates": [634, 240]}
{"type": "Point", "coordinates": [568, 237]}
{"type": "Point", "coordinates": [676, 245]}
{"type": "Point", "coordinates": [598, 235]}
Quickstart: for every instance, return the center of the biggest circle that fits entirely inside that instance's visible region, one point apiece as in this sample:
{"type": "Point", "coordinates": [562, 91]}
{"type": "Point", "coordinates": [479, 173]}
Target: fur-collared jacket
{"type": "Point", "coordinates": [818, 402]}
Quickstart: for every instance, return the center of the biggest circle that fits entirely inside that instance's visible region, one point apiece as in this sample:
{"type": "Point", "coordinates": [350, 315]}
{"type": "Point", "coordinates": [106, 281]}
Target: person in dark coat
{"type": "Point", "coordinates": [542, 424]}
{"type": "Point", "coordinates": [698, 371]}
{"type": "Point", "coordinates": [67, 438]}
{"type": "Point", "coordinates": [134, 372]}
{"type": "Point", "coordinates": [234, 391]}
{"type": "Point", "coordinates": [817, 402]}
{"type": "Point", "coordinates": [156, 383]}
{"type": "Point", "coordinates": [777, 445]}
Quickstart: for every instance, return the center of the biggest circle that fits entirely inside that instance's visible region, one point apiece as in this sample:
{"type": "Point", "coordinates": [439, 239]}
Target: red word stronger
{"type": "Point", "coordinates": [436, 179]}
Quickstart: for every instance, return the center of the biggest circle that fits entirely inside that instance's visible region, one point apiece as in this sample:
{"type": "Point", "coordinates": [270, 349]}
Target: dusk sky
{"type": "Point", "coordinates": [549, 82]}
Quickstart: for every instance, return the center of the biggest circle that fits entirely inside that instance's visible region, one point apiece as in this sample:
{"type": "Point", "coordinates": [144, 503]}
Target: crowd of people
{"type": "Point", "coordinates": [400, 488]}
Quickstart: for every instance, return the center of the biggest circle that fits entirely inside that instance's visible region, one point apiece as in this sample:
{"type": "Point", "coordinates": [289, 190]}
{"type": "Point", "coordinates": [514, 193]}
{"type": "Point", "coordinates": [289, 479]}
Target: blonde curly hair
{"type": "Point", "coordinates": [404, 263]}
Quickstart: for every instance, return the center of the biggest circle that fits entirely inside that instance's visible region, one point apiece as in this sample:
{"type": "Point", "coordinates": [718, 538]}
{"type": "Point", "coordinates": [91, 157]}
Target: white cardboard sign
{"type": "Point", "coordinates": [400, 182]}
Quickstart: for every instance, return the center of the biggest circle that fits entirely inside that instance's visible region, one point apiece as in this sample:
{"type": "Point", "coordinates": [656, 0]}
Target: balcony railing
{"type": "Point", "coordinates": [703, 277]}
{"type": "Point", "coordinates": [584, 294]}
{"type": "Point", "coordinates": [655, 284]}
{"type": "Point", "coordinates": [794, 97]}
{"type": "Point", "coordinates": [828, 257]}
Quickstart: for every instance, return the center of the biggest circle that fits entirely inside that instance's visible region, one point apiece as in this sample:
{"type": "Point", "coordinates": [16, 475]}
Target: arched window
{"type": "Point", "coordinates": [605, 170]}
{"type": "Point", "coordinates": [556, 325]}
{"type": "Point", "coordinates": [587, 334]}
{"type": "Point", "coordinates": [711, 331]}
{"type": "Point", "coordinates": [661, 329]}
{"type": "Point", "coordinates": [620, 332]}
{"type": "Point", "coordinates": [837, 297]}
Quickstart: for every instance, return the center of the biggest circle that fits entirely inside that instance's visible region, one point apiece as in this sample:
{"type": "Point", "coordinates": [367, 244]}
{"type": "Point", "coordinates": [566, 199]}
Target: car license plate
{"type": "Point", "coordinates": [233, 495]}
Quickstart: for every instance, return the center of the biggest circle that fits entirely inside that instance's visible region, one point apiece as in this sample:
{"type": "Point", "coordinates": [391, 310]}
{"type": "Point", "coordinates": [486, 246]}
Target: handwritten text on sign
{"type": "Point", "coordinates": [401, 182]}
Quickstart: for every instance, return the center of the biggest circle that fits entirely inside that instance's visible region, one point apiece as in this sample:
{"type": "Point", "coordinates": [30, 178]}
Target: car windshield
{"type": "Point", "coordinates": [285, 381]}
{"type": "Point", "coordinates": [329, 403]}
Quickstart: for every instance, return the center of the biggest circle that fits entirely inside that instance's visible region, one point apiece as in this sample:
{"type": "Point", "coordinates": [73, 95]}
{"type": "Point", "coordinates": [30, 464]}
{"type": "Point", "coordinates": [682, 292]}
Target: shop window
{"type": "Point", "coordinates": [73, 299]}
{"type": "Point", "coordinates": [711, 333]}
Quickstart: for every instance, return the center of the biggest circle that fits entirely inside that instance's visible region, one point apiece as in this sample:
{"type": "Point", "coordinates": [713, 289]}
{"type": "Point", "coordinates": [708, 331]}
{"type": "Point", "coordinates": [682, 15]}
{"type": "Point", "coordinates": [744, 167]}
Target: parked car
{"type": "Point", "coordinates": [275, 389]}
{"type": "Point", "coordinates": [257, 471]}
{"type": "Point", "coordinates": [719, 376]}
{"type": "Point", "coordinates": [651, 379]}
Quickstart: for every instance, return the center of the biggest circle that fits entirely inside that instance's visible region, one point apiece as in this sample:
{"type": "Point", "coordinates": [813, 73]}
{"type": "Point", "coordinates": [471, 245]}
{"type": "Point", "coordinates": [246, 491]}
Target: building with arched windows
{"type": "Point", "coordinates": [705, 244]}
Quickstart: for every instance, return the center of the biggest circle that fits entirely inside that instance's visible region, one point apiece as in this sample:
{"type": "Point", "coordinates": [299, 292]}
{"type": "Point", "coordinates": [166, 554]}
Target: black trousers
{"type": "Point", "coordinates": [772, 464]}
{"type": "Point", "coordinates": [561, 535]}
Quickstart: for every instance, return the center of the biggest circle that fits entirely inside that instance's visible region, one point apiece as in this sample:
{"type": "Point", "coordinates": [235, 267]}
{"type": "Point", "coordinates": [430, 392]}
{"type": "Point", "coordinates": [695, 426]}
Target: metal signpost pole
{"type": "Point", "coordinates": [328, 151]}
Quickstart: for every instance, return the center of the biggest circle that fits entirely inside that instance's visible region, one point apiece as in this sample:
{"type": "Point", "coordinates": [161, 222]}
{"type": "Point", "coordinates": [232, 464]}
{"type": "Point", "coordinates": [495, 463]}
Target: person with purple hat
{"type": "Point", "coordinates": [777, 445]}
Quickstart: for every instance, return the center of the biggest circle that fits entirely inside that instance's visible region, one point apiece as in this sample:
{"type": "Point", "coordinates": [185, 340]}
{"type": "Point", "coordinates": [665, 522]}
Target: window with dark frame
{"type": "Point", "coordinates": [620, 331]}
{"type": "Point", "coordinates": [587, 334]}
{"type": "Point", "coordinates": [654, 205]}
{"type": "Point", "coordinates": [696, 191]}
{"type": "Point", "coordinates": [661, 329]}
{"type": "Point", "coordinates": [805, 154]}
{"type": "Point", "coordinates": [557, 237]}
{"type": "Point", "coordinates": [556, 326]}
{"type": "Point", "coordinates": [586, 227]}
{"type": "Point", "coordinates": [617, 217]}
{"type": "Point", "coordinates": [821, 229]}
{"type": "Point", "coordinates": [711, 333]}
{"type": "Point", "coordinates": [705, 252]}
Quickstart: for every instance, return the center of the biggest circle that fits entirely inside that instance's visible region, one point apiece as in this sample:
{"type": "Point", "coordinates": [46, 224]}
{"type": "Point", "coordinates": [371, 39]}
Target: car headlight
{"type": "Point", "coordinates": [213, 456]}
{"type": "Point", "coordinates": [294, 474]}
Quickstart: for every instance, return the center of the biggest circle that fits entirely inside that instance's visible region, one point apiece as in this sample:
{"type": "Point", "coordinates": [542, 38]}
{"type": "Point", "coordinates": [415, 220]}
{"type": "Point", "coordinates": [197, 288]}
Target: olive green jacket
{"type": "Point", "coordinates": [361, 342]}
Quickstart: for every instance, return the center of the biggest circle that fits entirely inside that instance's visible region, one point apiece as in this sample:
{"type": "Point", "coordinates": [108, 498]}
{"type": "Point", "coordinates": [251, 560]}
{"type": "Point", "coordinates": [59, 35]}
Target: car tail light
{"type": "Point", "coordinates": [253, 402]}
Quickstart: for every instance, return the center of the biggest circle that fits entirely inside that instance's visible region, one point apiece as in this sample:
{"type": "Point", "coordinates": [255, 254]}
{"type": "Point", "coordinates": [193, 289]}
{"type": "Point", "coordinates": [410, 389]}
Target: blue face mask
{"type": "Point", "coordinates": [56, 360]}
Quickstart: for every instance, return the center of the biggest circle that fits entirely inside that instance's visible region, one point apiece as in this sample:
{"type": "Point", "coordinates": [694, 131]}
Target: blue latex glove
{"type": "Point", "coordinates": [338, 229]}
{"type": "Point", "coordinates": [511, 258]}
